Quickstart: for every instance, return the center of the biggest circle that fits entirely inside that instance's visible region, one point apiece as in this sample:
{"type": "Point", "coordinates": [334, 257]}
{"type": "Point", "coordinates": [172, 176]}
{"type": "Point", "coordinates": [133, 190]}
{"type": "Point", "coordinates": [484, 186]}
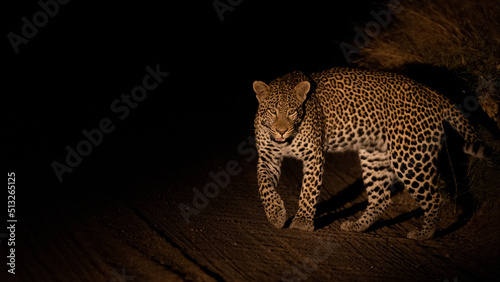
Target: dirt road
{"type": "Point", "coordinates": [133, 230]}
{"type": "Point", "coordinates": [126, 212]}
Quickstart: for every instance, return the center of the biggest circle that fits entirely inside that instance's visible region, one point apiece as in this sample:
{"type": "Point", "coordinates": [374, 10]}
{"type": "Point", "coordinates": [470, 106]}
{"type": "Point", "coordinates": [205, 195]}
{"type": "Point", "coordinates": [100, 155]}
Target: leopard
{"type": "Point", "coordinates": [394, 123]}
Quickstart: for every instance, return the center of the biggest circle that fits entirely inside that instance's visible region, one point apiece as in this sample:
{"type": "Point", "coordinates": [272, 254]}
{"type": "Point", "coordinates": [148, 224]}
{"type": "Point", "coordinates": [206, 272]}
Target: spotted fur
{"type": "Point", "coordinates": [394, 123]}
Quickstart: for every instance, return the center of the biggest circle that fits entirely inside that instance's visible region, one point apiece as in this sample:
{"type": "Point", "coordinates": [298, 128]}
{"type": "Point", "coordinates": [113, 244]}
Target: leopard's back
{"type": "Point", "coordinates": [363, 108]}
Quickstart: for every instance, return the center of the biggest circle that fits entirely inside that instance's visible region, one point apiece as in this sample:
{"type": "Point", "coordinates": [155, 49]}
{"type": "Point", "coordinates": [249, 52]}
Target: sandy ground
{"type": "Point", "coordinates": [130, 228]}
{"type": "Point", "coordinates": [116, 217]}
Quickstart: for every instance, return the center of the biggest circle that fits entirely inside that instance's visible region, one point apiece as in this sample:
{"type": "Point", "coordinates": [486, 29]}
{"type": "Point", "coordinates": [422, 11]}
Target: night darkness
{"type": "Point", "coordinates": [116, 207]}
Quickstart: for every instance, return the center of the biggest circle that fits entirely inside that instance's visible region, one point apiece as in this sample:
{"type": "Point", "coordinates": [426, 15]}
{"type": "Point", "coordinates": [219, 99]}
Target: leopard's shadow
{"type": "Point", "coordinates": [327, 210]}
{"type": "Point", "coordinates": [330, 210]}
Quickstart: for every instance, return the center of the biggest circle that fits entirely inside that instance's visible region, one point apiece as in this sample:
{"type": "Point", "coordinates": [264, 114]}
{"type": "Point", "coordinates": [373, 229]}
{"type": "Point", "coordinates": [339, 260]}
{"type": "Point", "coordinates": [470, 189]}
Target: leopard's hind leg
{"type": "Point", "coordinates": [418, 171]}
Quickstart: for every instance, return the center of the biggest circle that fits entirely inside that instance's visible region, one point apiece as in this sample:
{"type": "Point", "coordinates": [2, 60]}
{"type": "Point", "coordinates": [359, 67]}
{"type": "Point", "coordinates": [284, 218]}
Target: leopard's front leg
{"type": "Point", "coordinates": [313, 168]}
{"type": "Point", "coordinates": [268, 173]}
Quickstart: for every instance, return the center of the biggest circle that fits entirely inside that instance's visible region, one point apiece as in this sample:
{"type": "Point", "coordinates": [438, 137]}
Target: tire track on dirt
{"type": "Point", "coordinates": [148, 220]}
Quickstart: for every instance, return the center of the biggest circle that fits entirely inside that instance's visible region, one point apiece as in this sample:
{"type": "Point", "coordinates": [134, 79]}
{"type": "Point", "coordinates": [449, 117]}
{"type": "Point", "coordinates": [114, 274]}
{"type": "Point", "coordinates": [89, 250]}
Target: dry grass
{"type": "Point", "coordinates": [462, 36]}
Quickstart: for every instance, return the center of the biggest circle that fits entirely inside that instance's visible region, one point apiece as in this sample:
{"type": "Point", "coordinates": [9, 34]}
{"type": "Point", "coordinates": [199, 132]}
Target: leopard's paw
{"type": "Point", "coordinates": [352, 226]}
{"type": "Point", "coordinates": [302, 223]}
{"type": "Point", "coordinates": [420, 235]}
{"type": "Point", "coordinates": [277, 216]}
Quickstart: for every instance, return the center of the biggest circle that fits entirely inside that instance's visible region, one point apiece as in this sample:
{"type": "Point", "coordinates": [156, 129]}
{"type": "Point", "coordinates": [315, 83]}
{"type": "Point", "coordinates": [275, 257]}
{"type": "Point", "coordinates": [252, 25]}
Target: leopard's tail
{"type": "Point", "coordinates": [473, 145]}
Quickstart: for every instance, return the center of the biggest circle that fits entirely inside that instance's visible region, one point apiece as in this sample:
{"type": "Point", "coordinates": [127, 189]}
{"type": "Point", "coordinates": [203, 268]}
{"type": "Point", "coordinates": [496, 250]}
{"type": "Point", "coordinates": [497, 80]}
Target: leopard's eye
{"type": "Point", "coordinates": [272, 111]}
{"type": "Point", "coordinates": [292, 113]}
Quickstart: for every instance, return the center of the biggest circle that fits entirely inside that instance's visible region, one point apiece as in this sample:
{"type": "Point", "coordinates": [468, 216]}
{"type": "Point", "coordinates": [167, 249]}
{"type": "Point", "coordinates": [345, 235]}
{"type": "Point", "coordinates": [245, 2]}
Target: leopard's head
{"type": "Point", "coordinates": [281, 105]}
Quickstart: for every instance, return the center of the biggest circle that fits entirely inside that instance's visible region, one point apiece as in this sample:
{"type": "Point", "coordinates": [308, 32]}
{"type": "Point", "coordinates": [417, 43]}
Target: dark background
{"type": "Point", "coordinates": [64, 80]}
{"type": "Point", "coordinates": [66, 77]}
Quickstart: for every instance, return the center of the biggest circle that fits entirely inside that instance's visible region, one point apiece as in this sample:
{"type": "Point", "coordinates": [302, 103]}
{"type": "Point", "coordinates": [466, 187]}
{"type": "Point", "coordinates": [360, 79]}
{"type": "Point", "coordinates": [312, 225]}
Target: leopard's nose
{"type": "Point", "coordinates": [282, 132]}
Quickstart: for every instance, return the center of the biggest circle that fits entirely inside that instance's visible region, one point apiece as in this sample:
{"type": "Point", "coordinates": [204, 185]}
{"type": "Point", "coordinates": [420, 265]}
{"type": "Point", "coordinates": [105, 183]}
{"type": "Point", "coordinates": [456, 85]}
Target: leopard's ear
{"type": "Point", "coordinates": [301, 90]}
{"type": "Point", "coordinates": [261, 89]}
